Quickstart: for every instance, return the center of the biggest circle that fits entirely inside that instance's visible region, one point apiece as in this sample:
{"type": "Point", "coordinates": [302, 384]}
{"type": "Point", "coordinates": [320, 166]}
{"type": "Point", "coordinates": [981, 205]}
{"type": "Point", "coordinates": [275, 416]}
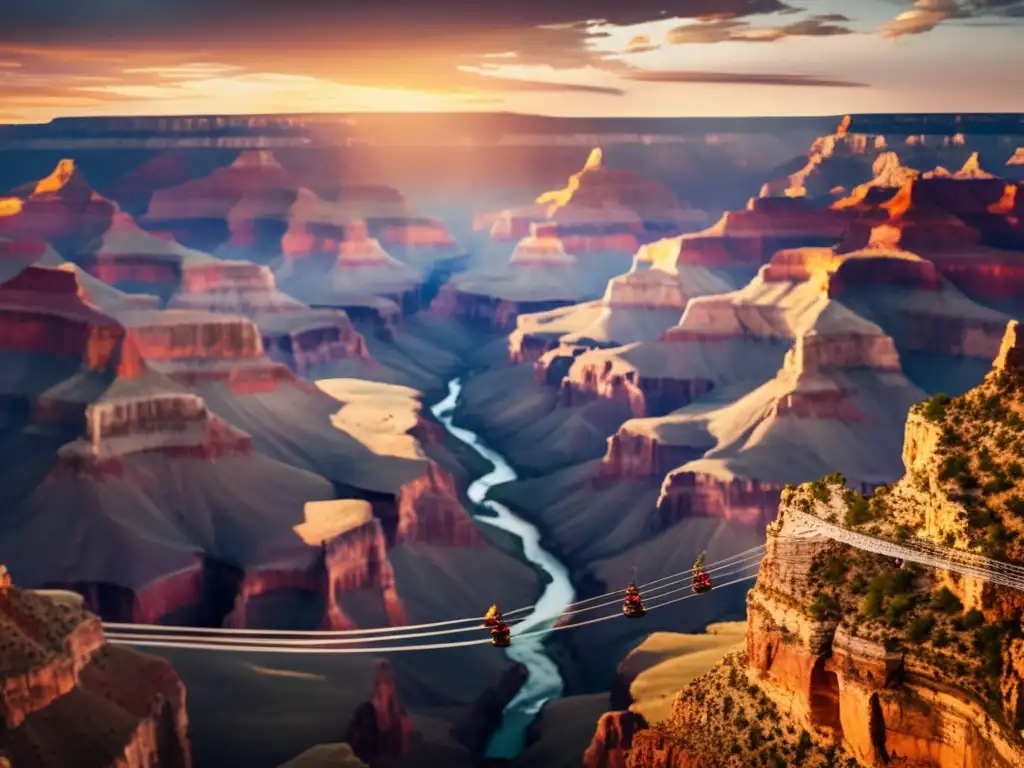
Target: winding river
{"type": "Point", "coordinates": [544, 681]}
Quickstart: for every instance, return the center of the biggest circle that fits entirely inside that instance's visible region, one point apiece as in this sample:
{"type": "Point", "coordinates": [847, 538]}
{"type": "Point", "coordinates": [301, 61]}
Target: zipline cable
{"type": "Point", "coordinates": [475, 620]}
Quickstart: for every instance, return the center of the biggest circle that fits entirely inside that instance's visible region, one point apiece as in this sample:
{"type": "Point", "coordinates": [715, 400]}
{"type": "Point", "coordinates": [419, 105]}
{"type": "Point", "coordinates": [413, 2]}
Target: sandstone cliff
{"type": "Point", "coordinates": [851, 657]}
{"type": "Point", "coordinates": [197, 212]}
{"type": "Point", "coordinates": [69, 698]}
{"type": "Point", "coordinates": [293, 334]}
{"type": "Point", "coordinates": [358, 271]}
{"type": "Point", "coordinates": [601, 209]}
{"type": "Point", "coordinates": [128, 257]}
{"type": "Point", "coordinates": [62, 209]}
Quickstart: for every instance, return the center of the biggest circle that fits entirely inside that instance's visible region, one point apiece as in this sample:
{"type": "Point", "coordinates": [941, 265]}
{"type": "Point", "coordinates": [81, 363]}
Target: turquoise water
{"type": "Point", "coordinates": [544, 682]}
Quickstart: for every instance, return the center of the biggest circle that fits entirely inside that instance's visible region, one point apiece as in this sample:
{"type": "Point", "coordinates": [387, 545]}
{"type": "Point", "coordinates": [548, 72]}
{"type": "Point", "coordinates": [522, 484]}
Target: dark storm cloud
{"type": "Point", "coordinates": [104, 21]}
{"type": "Point", "coordinates": [735, 78]}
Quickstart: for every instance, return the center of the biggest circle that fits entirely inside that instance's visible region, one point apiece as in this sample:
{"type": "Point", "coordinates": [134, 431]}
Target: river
{"type": "Point", "coordinates": [544, 681]}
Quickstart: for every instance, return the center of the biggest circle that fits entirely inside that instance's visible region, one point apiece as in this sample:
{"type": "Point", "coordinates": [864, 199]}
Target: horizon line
{"type": "Point", "coordinates": [500, 113]}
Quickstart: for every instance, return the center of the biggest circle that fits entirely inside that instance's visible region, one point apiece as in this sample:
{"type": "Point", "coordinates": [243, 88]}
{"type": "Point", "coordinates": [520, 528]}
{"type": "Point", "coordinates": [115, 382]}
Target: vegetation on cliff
{"type": "Point", "coordinates": [871, 660]}
{"type": "Point", "coordinates": [737, 724]}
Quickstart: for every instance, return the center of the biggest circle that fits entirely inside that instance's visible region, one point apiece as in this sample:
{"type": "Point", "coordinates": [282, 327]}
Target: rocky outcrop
{"type": "Point", "coordinates": [848, 649]}
{"type": "Point", "coordinates": [889, 176]}
{"type": "Point", "coordinates": [292, 333]}
{"type": "Point", "coordinates": [600, 209]}
{"type": "Point", "coordinates": [486, 712]}
{"type": "Point", "coordinates": [127, 256]}
{"type": "Point", "coordinates": [358, 271]}
{"type": "Point", "coordinates": [613, 739]}
{"type": "Point", "coordinates": [254, 187]}
{"type": "Point", "coordinates": [380, 728]}
{"type": "Point", "coordinates": [43, 313]}
{"type": "Point", "coordinates": [486, 312]}
{"type": "Point", "coordinates": [64, 690]}
{"type": "Point", "coordinates": [62, 209]}
{"type": "Point", "coordinates": [134, 190]}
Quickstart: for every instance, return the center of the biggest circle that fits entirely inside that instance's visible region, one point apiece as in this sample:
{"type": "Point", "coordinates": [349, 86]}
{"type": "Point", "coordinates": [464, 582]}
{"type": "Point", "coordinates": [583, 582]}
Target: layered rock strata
{"type": "Point", "coordinates": [846, 649]}
{"type": "Point", "coordinates": [68, 697]}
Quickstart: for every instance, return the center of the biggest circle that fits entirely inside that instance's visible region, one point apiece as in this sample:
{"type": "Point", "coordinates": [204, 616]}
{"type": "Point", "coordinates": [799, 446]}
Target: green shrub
{"type": "Point", "coordinates": [935, 407]}
{"type": "Point", "coordinates": [834, 569]}
{"type": "Point", "coordinates": [988, 641]}
{"type": "Point", "coordinates": [920, 628]}
{"type": "Point", "coordinates": [946, 601]}
{"type": "Point", "coordinates": [871, 605]}
{"type": "Point", "coordinates": [825, 607]}
{"type": "Point", "coordinates": [1014, 506]}
{"type": "Point", "coordinates": [895, 610]}
{"type": "Point", "coordinates": [954, 465]}
{"type": "Point", "coordinates": [940, 639]}
{"type": "Point", "coordinates": [972, 619]}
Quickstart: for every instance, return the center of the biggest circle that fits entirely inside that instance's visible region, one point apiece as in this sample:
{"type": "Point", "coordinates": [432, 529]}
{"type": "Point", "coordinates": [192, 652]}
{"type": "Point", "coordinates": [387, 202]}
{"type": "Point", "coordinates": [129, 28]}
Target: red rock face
{"type": "Point", "coordinates": [484, 312]}
{"type": "Point", "coordinates": [325, 337]}
{"type": "Point", "coordinates": [380, 728]}
{"type": "Point", "coordinates": [42, 312]}
{"type": "Point", "coordinates": [613, 739]}
{"type": "Point", "coordinates": [651, 749]}
{"type": "Point", "coordinates": [59, 680]}
{"type": "Point", "coordinates": [62, 208]}
{"type": "Point", "coordinates": [644, 395]}
{"type": "Point", "coordinates": [429, 512]}
{"type": "Point", "coordinates": [918, 275]}
{"type": "Point", "coordinates": [631, 456]}
{"type": "Point", "coordinates": [689, 494]}
{"type": "Point", "coordinates": [358, 560]}
{"type": "Point", "coordinates": [175, 335]}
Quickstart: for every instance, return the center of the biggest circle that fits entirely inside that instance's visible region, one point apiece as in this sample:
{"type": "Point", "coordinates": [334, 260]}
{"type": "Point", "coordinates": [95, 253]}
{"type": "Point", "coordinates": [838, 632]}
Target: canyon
{"type": "Point", "coordinates": [69, 697]}
{"type": "Point", "coordinates": [821, 661]}
{"type": "Point", "coordinates": [244, 352]}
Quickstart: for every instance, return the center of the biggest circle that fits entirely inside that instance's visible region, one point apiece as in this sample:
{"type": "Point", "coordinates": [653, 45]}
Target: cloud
{"type": "Point", "coordinates": [641, 44]}
{"type": "Point", "coordinates": [386, 43]}
{"type": "Point", "coordinates": [737, 30]}
{"type": "Point", "coordinates": [736, 78]}
{"type": "Point", "coordinates": [926, 15]}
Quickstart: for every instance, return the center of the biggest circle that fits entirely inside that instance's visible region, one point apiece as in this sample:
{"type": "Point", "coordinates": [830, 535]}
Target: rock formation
{"type": "Point", "coordinates": [358, 272]}
{"type": "Point", "coordinates": [302, 338]}
{"type": "Point", "coordinates": [849, 157]}
{"type": "Point", "coordinates": [842, 374]}
{"type": "Point", "coordinates": [62, 209]}
{"type": "Point", "coordinates": [666, 274]}
{"type": "Point", "coordinates": [68, 697]}
{"type": "Point", "coordinates": [971, 170]}
{"type": "Point", "coordinates": [381, 727]}
{"type": "Point", "coordinates": [116, 394]}
{"type": "Point", "coordinates": [968, 226]}
{"type": "Point", "coordinates": [636, 306]}
{"type": "Point", "coordinates": [197, 212]}
{"type": "Point", "coordinates": [845, 648]}
{"type": "Point", "coordinates": [601, 209]}
{"type": "Point", "coordinates": [134, 190]}
{"type": "Point", "coordinates": [889, 176]}
{"type": "Point", "coordinates": [128, 257]}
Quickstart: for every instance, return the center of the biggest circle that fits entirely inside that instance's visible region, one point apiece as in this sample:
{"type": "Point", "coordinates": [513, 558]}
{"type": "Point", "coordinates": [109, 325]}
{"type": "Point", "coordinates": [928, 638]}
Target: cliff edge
{"type": "Point", "coordinates": [853, 658]}
{"type": "Point", "coordinates": [67, 698]}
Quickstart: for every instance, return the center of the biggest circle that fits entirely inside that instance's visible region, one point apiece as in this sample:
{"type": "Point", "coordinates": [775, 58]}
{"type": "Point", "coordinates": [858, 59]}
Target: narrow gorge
{"type": "Point", "coordinates": [544, 681]}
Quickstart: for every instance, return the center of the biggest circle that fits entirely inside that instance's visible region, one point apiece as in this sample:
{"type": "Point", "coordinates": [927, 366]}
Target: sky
{"type": "Point", "coordinates": [574, 58]}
